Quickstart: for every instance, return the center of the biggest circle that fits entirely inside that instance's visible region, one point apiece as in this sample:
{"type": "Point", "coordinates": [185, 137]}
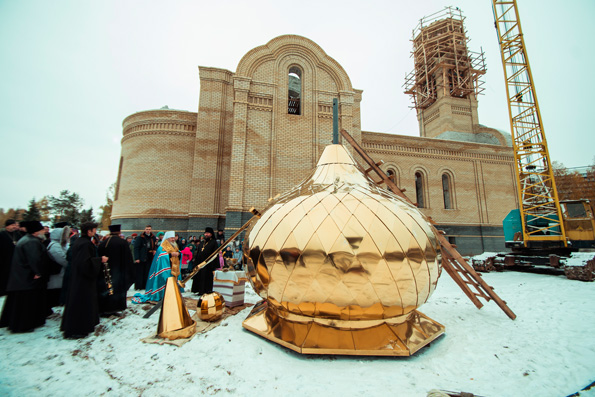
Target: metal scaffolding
{"type": "Point", "coordinates": [442, 60]}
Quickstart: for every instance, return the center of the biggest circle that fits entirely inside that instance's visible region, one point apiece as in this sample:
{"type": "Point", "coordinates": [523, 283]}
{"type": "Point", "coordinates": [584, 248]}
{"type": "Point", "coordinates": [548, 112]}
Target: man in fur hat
{"type": "Point", "coordinates": [166, 263]}
{"type": "Point", "coordinates": [202, 282]}
{"type": "Point", "coordinates": [25, 307]}
{"type": "Point", "coordinates": [119, 272]}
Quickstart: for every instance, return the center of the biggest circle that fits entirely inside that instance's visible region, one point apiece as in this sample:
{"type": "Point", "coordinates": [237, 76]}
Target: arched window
{"type": "Point", "coordinates": [419, 190]}
{"type": "Point", "coordinates": [391, 175]}
{"type": "Point", "coordinates": [447, 191]}
{"type": "Point", "coordinates": [294, 83]}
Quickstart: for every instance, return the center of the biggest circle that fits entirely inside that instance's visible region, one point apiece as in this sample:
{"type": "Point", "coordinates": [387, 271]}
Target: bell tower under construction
{"type": "Point", "coordinates": [446, 78]}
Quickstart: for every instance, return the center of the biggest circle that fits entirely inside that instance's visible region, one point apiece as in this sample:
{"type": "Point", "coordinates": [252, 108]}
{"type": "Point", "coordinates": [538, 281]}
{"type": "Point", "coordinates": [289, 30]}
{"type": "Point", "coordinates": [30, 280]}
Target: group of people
{"type": "Point", "coordinates": [90, 275]}
{"type": "Point", "coordinates": [39, 273]}
{"type": "Point", "coordinates": [159, 264]}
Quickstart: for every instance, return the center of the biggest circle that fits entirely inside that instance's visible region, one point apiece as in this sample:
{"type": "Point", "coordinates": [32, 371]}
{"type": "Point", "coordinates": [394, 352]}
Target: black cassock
{"type": "Point", "coordinates": [81, 313]}
{"type": "Point", "coordinates": [25, 307]}
{"type": "Point", "coordinates": [202, 283]}
{"type": "Point", "coordinates": [8, 241]}
{"type": "Point", "coordinates": [121, 270]}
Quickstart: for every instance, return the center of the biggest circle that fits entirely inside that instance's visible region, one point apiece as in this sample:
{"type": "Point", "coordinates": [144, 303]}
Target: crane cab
{"type": "Point", "coordinates": [579, 222]}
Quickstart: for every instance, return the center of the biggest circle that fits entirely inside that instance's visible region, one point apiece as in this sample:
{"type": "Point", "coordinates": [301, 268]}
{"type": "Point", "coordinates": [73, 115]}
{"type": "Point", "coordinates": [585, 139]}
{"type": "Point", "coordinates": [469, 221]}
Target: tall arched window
{"type": "Point", "coordinates": [391, 175]}
{"type": "Point", "coordinates": [447, 191]}
{"type": "Point", "coordinates": [419, 190]}
{"type": "Point", "coordinates": [294, 97]}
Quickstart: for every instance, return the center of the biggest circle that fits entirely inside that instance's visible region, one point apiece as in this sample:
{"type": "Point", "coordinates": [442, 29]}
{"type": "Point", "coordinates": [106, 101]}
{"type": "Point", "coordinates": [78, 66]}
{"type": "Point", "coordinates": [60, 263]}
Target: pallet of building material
{"type": "Point", "coordinates": [490, 264]}
{"type": "Point", "coordinates": [484, 266]}
{"type": "Point", "coordinates": [584, 271]}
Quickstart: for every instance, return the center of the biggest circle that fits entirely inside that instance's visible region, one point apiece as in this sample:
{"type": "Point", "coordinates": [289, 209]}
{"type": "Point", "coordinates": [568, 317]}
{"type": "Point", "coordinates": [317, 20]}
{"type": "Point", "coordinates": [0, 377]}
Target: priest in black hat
{"type": "Point", "coordinates": [118, 274]}
{"type": "Point", "coordinates": [81, 313]}
{"type": "Point", "coordinates": [25, 307]}
{"type": "Point", "coordinates": [202, 283]}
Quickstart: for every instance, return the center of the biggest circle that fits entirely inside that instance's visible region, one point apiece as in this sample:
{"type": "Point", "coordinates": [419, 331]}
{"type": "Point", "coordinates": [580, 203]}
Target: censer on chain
{"type": "Point", "coordinates": [107, 275]}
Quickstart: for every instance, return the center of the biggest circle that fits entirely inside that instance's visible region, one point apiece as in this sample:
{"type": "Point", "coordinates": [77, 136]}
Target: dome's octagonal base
{"type": "Point", "coordinates": [385, 338]}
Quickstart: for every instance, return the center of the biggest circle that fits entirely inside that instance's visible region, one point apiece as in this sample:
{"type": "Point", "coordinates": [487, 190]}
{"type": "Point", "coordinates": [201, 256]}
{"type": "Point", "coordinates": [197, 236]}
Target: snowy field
{"type": "Point", "coordinates": [549, 350]}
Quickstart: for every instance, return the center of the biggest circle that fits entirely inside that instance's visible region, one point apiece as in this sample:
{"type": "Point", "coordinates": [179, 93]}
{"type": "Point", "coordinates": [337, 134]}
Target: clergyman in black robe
{"type": "Point", "coordinates": [202, 282]}
{"type": "Point", "coordinates": [8, 241]}
{"type": "Point", "coordinates": [145, 246]}
{"type": "Point", "coordinates": [25, 307]}
{"type": "Point", "coordinates": [81, 311]}
{"type": "Point", "coordinates": [120, 273]}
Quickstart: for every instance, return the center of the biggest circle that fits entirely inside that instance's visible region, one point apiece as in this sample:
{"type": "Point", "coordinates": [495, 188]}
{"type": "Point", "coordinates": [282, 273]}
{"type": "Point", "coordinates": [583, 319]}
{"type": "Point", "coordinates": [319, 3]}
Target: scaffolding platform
{"type": "Point", "coordinates": [443, 64]}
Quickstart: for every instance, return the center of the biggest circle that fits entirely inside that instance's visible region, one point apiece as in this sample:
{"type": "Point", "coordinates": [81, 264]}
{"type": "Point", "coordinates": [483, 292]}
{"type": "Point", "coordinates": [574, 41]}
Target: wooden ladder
{"type": "Point", "coordinates": [472, 284]}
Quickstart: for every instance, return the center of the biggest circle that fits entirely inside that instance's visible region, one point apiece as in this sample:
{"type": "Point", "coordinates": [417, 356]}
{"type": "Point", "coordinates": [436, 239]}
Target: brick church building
{"type": "Point", "coordinates": [261, 129]}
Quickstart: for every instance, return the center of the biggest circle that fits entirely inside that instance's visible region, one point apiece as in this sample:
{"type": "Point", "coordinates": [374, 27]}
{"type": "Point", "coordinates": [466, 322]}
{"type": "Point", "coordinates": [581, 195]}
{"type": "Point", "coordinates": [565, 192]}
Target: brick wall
{"type": "Point", "coordinates": [155, 168]}
{"type": "Point", "coordinates": [186, 171]}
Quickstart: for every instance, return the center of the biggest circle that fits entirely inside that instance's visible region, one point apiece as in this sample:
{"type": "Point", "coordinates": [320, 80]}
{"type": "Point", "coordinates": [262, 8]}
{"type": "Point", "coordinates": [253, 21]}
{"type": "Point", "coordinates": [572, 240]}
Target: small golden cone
{"type": "Point", "coordinates": [175, 321]}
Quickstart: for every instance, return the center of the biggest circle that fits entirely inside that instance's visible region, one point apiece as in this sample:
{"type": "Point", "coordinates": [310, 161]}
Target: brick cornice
{"type": "Point", "coordinates": [166, 115]}
{"type": "Point", "coordinates": [436, 148]}
{"type": "Point", "coordinates": [435, 154]}
{"type": "Point", "coordinates": [241, 83]}
{"type": "Point", "coordinates": [215, 74]}
{"type": "Point", "coordinates": [199, 215]}
{"type": "Point", "coordinates": [144, 133]}
{"type": "Point", "coordinates": [260, 108]}
{"type": "Point", "coordinates": [151, 122]}
{"type": "Point", "coordinates": [153, 215]}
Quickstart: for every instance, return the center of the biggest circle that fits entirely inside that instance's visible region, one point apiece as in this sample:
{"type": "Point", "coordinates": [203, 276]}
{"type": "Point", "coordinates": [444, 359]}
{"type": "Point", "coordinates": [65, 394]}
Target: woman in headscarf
{"type": "Point", "coordinates": [60, 241]}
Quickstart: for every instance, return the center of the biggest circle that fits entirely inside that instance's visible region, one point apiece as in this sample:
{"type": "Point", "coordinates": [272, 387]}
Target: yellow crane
{"type": "Point", "coordinates": [539, 207]}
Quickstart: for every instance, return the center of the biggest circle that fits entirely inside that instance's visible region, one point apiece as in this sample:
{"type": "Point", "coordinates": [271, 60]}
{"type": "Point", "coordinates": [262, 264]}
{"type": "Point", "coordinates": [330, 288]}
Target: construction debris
{"type": "Point", "coordinates": [581, 269]}
{"type": "Point", "coordinates": [579, 266]}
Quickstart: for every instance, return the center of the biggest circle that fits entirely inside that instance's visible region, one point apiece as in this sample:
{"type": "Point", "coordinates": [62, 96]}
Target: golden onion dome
{"type": "Point", "coordinates": [210, 306]}
{"type": "Point", "coordinates": [338, 247]}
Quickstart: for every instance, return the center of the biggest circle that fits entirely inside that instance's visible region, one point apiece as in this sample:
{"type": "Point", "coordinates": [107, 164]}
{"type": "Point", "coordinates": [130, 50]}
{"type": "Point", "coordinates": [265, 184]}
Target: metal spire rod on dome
{"type": "Point", "coordinates": [335, 121]}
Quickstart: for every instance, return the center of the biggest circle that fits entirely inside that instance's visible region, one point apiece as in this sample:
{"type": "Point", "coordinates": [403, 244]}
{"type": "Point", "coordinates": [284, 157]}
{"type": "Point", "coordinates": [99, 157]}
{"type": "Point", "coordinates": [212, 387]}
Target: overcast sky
{"type": "Point", "coordinates": [73, 70]}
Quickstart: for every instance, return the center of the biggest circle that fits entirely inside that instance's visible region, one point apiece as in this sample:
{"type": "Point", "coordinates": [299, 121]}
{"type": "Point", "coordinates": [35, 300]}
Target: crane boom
{"type": "Point", "coordinates": [540, 211]}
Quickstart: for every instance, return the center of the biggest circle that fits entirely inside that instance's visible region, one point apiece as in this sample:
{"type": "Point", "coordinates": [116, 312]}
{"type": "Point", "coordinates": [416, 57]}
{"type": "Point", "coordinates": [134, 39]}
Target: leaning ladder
{"type": "Point", "coordinates": [472, 284]}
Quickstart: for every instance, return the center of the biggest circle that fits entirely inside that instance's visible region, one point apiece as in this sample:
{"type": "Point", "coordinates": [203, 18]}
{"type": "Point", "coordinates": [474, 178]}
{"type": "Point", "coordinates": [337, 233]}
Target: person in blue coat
{"type": "Point", "coordinates": [166, 263]}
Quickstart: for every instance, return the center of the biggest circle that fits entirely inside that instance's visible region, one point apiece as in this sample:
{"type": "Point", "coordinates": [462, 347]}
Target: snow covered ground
{"type": "Point", "coordinates": [579, 258]}
{"type": "Point", "coordinates": [549, 350]}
